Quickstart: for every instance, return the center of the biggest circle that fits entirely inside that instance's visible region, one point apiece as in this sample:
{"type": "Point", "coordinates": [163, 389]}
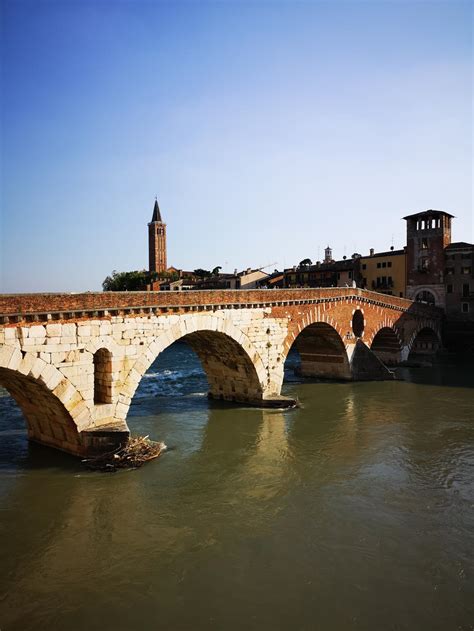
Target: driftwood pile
{"type": "Point", "coordinates": [137, 451]}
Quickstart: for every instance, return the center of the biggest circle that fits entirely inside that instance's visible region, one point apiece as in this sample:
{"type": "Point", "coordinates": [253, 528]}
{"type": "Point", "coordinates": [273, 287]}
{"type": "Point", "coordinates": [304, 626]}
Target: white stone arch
{"type": "Point", "coordinates": [166, 337]}
{"type": "Point", "coordinates": [54, 410]}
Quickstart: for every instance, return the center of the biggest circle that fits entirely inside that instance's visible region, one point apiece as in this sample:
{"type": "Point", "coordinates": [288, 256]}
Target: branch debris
{"type": "Point", "coordinates": [137, 451]}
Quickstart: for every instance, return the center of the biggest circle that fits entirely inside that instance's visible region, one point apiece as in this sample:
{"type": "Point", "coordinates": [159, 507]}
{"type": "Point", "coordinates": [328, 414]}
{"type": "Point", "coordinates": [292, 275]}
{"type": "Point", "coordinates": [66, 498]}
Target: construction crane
{"type": "Point", "coordinates": [265, 266]}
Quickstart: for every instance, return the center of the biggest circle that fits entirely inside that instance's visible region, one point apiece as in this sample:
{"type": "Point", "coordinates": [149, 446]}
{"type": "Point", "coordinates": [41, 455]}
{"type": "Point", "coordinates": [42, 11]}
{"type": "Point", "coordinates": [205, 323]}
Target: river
{"type": "Point", "coordinates": [353, 511]}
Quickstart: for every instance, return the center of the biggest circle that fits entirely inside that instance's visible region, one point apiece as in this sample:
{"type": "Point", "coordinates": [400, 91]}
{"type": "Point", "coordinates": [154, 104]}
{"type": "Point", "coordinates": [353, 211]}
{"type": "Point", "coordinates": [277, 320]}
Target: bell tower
{"type": "Point", "coordinates": [157, 241]}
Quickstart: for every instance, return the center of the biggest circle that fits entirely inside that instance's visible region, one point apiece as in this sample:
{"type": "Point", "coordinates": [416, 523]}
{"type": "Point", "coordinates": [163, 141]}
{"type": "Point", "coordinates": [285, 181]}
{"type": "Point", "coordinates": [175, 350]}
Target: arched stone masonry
{"type": "Point", "coordinates": [233, 366]}
{"type": "Point", "coordinates": [49, 402]}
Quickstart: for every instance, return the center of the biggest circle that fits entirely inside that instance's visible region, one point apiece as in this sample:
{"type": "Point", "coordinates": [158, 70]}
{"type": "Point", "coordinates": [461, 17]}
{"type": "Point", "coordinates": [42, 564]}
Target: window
{"type": "Point", "coordinates": [449, 270]}
{"type": "Point", "coordinates": [425, 296]}
{"type": "Point", "coordinates": [424, 263]}
{"type": "Point", "coordinates": [465, 307]}
{"type": "Point", "coordinates": [465, 256]}
{"type": "Point", "coordinates": [465, 290]}
{"type": "Point", "coordinates": [350, 275]}
{"type": "Point", "coordinates": [401, 294]}
{"type": "Point", "coordinates": [102, 376]}
{"type": "Point", "coordinates": [465, 270]}
{"type": "Point", "coordinates": [449, 289]}
{"type": "Point", "coordinates": [389, 264]}
{"type": "Point", "coordinates": [390, 280]}
{"type": "Point", "coordinates": [384, 264]}
{"type": "Point", "coordinates": [378, 265]}
{"type": "Point", "coordinates": [364, 266]}
{"type": "Point", "coordinates": [424, 243]}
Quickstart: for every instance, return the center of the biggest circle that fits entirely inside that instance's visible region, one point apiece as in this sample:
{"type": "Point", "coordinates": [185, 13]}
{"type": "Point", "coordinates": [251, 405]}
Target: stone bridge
{"type": "Point", "coordinates": [73, 362]}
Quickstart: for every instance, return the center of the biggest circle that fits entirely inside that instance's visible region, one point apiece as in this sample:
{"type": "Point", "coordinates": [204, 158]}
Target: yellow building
{"type": "Point", "coordinates": [385, 272]}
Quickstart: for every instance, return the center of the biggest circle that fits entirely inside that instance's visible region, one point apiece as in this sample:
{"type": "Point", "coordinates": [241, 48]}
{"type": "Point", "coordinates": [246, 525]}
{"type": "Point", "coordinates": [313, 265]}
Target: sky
{"type": "Point", "coordinates": [267, 130]}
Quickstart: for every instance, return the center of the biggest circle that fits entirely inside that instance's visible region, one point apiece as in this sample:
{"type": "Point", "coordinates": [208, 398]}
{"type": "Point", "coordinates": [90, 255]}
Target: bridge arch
{"type": "Point", "coordinates": [425, 341]}
{"type": "Point", "coordinates": [234, 369]}
{"type": "Point", "coordinates": [387, 345]}
{"type": "Point", "coordinates": [52, 407]}
{"type": "Point", "coordinates": [322, 351]}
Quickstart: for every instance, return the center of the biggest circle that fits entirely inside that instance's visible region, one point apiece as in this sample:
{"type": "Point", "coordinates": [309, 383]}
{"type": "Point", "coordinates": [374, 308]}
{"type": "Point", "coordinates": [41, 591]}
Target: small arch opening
{"type": "Point", "coordinates": [426, 343]}
{"type": "Point", "coordinates": [358, 323]}
{"type": "Point", "coordinates": [425, 296]}
{"type": "Point", "coordinates": [103, 376]}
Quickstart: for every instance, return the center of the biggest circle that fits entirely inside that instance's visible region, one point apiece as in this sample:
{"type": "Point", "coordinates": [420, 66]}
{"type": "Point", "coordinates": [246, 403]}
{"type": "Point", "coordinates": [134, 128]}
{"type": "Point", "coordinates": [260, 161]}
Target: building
{"type": "Point", "coordinates": [459, 280]}
{"type": "Point", "coordinates": [330, 273]}
{"type": "Point", "coordinates": [384, 272]}
{"type": "Point", "coordinates": [428, 235]}
{"type": "Point", "coordinates": [157, 242]}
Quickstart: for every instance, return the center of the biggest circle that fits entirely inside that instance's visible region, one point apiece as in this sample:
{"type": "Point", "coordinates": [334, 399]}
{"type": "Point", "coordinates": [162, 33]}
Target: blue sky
{"type": "Point", "coordinates": [267, 130]}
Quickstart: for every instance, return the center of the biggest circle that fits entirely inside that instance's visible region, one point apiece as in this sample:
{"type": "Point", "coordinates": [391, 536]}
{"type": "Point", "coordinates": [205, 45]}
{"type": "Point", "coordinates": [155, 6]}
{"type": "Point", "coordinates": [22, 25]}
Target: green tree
{"type": "Point", "coordinates": [305, 263]}
{"type": "Point", "coordinates": [216, 270]}
{"type": "Point", "coordinates": [128, 281]}
{"type": "Point", "coordinates": [202, 273]}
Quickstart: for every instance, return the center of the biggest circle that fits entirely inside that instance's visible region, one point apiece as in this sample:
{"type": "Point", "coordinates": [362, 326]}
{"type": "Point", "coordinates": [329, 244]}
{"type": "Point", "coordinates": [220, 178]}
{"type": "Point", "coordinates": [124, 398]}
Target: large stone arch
{"type": "Point", "coordinates": [53, 409]}
{"type": "Point", "coordinates": [234, 368]}
{"type": "Point", "coordinates": [320, 343]}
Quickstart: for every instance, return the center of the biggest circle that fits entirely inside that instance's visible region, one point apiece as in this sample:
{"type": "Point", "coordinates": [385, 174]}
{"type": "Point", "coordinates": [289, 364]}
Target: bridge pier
{"type": "Point", "coordinates": [366, 366]}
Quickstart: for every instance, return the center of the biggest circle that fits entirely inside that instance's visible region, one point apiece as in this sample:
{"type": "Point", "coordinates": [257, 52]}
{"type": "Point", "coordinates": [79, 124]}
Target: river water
{"type": "Point", "coordinates": [354, 511]}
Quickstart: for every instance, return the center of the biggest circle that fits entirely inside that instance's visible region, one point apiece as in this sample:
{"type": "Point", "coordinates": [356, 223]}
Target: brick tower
{"type": "Point", "coordinates": [157, 241]}
{"type": "Point", "coordinates": [428, 234]}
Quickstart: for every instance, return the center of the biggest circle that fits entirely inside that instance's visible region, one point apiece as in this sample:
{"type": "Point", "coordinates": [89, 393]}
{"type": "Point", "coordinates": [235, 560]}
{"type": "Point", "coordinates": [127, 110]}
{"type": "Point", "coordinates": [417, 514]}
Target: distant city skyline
{"type": "Point", "coordinates": [267, 131]}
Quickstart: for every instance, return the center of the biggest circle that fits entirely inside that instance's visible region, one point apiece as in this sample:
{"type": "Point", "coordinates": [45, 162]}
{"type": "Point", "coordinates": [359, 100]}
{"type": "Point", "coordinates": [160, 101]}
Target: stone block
{"type": "Point", "coordinates": [15, 359]}
{"type": "Point", "coordinates": [69, 330]}
{"type": "Point", "coordinates": [37, 368]}
{"type": "Point", "coordinates": [37, 331]}
{"type": "Point", "coordinates": [27, 363]}
{"type": "Point", "coordinates": [10, 334]}
{"type": "Point", "coordinates": [54, 330]}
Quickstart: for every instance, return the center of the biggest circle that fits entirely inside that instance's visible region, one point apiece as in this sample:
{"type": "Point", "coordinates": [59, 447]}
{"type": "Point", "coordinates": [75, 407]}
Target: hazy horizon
{"type": "Point", "coordinates": [267, 130]}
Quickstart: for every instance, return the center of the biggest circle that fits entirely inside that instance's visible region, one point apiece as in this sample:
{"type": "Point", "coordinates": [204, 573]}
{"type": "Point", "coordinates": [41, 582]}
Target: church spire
{"type": "Point", "coordinates": [156, 213]}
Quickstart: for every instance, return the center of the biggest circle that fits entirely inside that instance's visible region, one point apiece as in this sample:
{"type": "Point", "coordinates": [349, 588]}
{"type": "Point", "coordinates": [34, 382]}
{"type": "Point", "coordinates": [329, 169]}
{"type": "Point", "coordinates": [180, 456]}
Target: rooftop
{"type": "Point", "coordinates": [428, 213]}
{"type": "Point", "coordinates": [459, 245]}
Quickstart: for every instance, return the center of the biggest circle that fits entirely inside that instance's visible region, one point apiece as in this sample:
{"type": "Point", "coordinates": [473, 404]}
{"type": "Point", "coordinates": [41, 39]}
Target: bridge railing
{"type": "Point", "coordinates": [18, 307]}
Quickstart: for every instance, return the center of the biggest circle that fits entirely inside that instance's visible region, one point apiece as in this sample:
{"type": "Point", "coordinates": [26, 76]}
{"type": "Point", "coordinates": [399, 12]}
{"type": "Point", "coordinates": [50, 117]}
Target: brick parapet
{"type": "Point", "coordinates": [39, 307]}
